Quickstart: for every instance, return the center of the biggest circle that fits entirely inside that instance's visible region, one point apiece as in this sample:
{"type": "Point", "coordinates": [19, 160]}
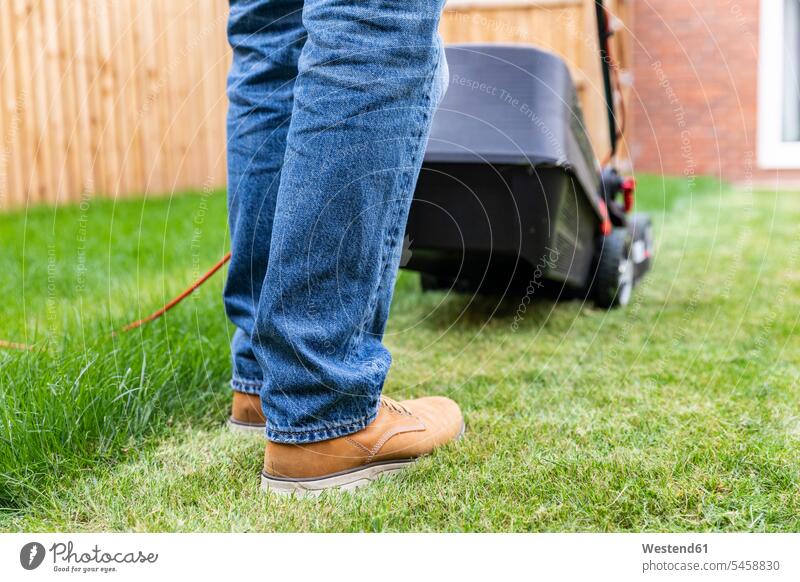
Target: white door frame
{"type": "Point", "coordinates": [773, 152]}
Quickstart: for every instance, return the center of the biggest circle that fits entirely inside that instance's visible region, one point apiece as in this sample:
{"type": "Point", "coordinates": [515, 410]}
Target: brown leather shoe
{"type": "Point", "coordinates": [401, 433]}
{"type": "Point", "coordinates": [246, 413]}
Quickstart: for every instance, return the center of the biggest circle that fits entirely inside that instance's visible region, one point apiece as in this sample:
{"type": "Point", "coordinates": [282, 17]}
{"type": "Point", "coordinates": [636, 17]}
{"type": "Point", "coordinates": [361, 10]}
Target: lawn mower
{"type": "Point", "coordinates": [511, 197]}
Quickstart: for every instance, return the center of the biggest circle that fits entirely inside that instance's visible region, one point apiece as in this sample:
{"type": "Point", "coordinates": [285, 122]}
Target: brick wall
{"type": "Point", "coordinates": [695, 66]}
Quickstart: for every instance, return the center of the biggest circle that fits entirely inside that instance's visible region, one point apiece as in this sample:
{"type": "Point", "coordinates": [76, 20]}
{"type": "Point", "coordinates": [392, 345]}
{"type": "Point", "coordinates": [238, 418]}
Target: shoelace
{"type": "Point", "coordinates": [394, 406]}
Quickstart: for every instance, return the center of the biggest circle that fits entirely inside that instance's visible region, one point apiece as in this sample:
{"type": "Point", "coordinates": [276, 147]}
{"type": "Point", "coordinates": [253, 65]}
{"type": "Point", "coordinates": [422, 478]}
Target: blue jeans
{"type": "Point", "coordinates": [330, 110]}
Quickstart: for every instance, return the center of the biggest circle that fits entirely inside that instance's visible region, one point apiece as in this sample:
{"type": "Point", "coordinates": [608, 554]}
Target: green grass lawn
{"type": "Point", "coordinates": [677, 413]}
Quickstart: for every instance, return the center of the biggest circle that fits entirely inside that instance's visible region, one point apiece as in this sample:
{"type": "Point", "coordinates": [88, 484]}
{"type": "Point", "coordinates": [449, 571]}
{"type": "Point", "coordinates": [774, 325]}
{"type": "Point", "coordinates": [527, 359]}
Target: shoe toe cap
{"type": "Point", "coordinates": [441, 416]}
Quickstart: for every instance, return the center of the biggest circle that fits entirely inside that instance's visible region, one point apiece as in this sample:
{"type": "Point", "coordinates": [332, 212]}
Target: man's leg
{"type": "Point", "coordinates": [370, 76]}
{"type": "Point", "coordinates": [266, 37]}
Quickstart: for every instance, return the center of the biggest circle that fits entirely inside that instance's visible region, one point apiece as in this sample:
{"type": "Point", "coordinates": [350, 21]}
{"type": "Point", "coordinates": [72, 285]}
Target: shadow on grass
{"type": "Point", "coordinates": [475, 311]}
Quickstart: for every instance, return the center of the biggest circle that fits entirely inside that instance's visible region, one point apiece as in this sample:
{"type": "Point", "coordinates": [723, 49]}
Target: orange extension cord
{"type": "Point", "coordinates": [156, 314]}
{"type": "Point", "coordinates": [152, 317]}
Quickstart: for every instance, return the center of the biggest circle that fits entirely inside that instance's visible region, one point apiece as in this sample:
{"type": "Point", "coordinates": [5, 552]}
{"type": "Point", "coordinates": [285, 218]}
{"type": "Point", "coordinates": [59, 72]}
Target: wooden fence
{"type": "Point", "coordinates": [124, 97]}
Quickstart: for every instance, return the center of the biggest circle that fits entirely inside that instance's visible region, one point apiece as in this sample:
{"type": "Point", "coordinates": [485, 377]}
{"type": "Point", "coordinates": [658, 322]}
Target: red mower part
{"type": "Point", "coordinates": [605, 225]}
{"type": "Point", "coordinates": [628, 192]}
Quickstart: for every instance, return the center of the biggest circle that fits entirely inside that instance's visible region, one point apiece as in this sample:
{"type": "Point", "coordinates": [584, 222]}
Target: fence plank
{"type": "Point", "coordinates": [148, 115]}
{"type": "Point", "coordinates": [42, 93]}
{"type": "Point", "coordinates": [117, 65]}
{"type": "Point", "coordinates": [84, 142]}
{"type": "Point", "coordinates": [10, 193]}
{"type": "Point", "coordinates": [30, 177]}
{"type": "Point", "coordinates": [55, 131]}
{"type": "Point", "coordinates": [58, 25]}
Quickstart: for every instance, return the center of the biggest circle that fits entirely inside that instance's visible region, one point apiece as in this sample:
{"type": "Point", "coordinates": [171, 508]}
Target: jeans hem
{"type": "Point", "coordinates": [246, 385]}
{"type": "Point", "coordinates": [320, 434]}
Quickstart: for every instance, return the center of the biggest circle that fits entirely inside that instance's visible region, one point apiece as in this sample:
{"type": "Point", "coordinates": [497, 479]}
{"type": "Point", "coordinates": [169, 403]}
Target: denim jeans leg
{"type": "Point", "coordinates": [266, 37]}
{"type": "Point", "coordinates": [369, 77]}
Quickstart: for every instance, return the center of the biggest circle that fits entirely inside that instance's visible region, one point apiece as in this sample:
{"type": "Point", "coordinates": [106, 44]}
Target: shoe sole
{"type": "Point", "coordinates": [344, 481]}
{"type": "Point", "coordinates": [245, 427]}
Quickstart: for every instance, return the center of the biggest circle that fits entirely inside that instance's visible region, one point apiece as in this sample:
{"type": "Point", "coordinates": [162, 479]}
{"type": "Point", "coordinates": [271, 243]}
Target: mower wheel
{"type": "Point", "coordinates": [641, 230]}
{"type": "Point", "coordinates": [614, 277]}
